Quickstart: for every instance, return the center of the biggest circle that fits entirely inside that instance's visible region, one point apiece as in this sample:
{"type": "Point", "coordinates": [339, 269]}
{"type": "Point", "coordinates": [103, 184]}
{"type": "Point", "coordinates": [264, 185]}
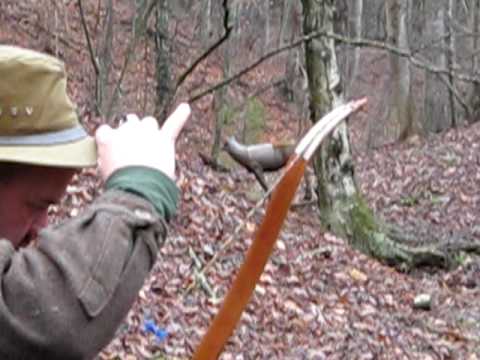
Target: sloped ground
{"type": "Point", "coordinates": [434, 180]}
{"type": "Point", "coordinates": [318, 299]}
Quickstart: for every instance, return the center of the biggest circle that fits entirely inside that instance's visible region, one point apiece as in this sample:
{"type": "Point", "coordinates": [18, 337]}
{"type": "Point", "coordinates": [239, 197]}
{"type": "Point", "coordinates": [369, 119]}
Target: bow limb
{"type": "Point", "coordinates": [266, 235]}
{"type": "Point", "coordinates": [249, 273]}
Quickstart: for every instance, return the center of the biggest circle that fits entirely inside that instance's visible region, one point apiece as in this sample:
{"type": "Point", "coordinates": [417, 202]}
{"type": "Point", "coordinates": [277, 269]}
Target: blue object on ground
{"type": "Point", "coordinates": [151, 327]}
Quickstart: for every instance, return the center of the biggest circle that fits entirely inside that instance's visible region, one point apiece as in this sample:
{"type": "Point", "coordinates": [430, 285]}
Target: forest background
{"type": "Point", "coordinates": [244, 67]}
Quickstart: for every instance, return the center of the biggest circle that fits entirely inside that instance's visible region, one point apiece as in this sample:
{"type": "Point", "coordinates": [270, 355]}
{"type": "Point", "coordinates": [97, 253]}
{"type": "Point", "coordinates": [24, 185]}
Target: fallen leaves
{"type": "Point", "coordinates": [318, 298]}
{"type": "Point", "coordinates": [358, 275]}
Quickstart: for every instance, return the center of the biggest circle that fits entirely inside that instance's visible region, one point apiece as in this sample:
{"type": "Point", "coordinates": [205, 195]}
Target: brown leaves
{"type": "Point", "coordinates": [434, 181]}
{"type": "Point", "coordinates": [318, 298]}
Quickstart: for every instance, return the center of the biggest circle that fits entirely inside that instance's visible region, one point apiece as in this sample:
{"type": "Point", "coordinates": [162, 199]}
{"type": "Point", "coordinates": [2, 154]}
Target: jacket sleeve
{"type": "Point", "coordinates": [65, 298]}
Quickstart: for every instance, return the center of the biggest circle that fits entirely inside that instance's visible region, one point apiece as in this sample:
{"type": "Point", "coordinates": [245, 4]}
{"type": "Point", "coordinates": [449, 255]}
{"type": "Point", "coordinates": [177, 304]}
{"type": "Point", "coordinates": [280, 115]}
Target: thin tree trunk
{"type": "Point", "coordinates": [401, 109]}
{"type": "Point", "coordinates": [450, 45]}
{"type": "Point", "coordinates": [268, 33]}
{"type": "Point", "coordinates": [105, 62]}
{"type": "Point", "coordinates": [355, 30]}
{"type": "Point", "coordinates": [221, 102]}
{"type": "Point", "coordinates": [286, 23]}
{"type": "Point", "coordinates": [437, 105]}
{"type": "Point", "coordinates": [475, 30]}
{"type": "Point", "coordinates": [474, 96]}
{"type": "Point", "coordinates": [164, 88]}
{"type": "Point", "coordinates": [291, 55]}
{"type": "Point", "coordinates": [206, 21]}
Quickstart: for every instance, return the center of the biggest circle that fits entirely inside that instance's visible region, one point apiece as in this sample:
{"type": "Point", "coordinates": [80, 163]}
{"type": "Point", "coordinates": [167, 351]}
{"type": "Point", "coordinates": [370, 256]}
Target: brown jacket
{"type": "Point", "coordinates": [62, 299]}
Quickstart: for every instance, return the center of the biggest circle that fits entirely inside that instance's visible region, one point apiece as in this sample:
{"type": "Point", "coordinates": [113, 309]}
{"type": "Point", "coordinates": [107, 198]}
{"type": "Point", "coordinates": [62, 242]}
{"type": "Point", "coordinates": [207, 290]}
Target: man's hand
{"type": "Point", "coordinates": [140, 142]}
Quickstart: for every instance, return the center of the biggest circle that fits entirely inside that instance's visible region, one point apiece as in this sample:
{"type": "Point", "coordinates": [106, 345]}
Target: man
{"type": "Point", "coordinates": [64, 297]}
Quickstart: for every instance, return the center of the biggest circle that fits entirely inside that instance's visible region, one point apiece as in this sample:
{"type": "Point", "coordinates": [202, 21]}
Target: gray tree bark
{"type": "Point", "coordinates": [437, 98]}
{"type": "Point", "coordinates": [401, 110]}
{"type": "Point", "coordinates": [268, 32]}
{"type": "Point", "coordinates": [355, 17]}
{"type": "Point", "coordinates": [450, 53]}
{"type": "Point", "coordinates": [105, 62]}
{"type": "Point", "coordinates": [205, 24]}
{"type": "Point", "coordinates": [398, 115]}
{"type": "Point", "coordinates": [474, 94]}
{"type": "Point", "coordinates": [286, 22]}
{"type": "Point", "coordinates": [220, 103]}
{"type": "Point", "coordinates": [164, 87]}
{"type": "Point", "coordinates": [290, 27]}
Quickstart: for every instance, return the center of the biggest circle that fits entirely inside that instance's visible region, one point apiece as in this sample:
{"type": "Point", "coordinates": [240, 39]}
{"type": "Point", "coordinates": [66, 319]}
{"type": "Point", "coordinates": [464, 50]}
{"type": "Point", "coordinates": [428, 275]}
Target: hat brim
{"type": "Point", "coordinates": [76, 154]}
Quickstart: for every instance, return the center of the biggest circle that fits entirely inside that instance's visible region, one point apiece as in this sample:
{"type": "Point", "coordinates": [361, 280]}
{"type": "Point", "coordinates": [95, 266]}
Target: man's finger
{"type": "Point", "coordinates": [103, 133]}
{"type": "Point", "coordinates": [175, 122]}
{"type": "Point", "coordinates": [130, 120]}
{"type": "Point", "coordinates": [150, 122]}
{"type": "Point", "coordinates": [132, 117]}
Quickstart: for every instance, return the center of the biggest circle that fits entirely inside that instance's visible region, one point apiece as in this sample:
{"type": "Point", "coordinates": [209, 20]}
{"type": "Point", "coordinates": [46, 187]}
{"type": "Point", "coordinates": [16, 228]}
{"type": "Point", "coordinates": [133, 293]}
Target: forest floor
{"type": "Point", "coordinates": [318, 298]}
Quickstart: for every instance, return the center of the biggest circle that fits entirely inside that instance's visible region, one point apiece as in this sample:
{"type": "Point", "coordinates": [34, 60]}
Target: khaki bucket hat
{"type": "Point", "coordinates": [38, 121]}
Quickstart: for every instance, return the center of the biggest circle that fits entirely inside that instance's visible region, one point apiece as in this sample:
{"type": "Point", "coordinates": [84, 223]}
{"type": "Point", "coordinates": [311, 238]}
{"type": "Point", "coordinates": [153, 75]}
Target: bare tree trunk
{"type": "Point", "coordinates": [401, 110]}
{"type": "Point", "coordinates": [355, 16]}
{"type": "Point", "coordinates": [475, 5]}
{"type": "Point", "coordinates": [105, 61]}
{"type": "Point", "coordinates": [205, 23]}
{"type": "Point", "coordinates": [268, 33]}
{"type": "Point", "coordinates": [437, 105]}
{"type": "Point", "coordinates": [165, 88]}
{"type": "Point", "coordinates": [221, 102]}
{"type": "Point", "coordinates": [288, 31]}
{"type": "Point", "coordinates": [286, 23]}
{"type": "Point", "coordinates": [451, 51]}
{"type": "Point", "coordinates": [474, 96]}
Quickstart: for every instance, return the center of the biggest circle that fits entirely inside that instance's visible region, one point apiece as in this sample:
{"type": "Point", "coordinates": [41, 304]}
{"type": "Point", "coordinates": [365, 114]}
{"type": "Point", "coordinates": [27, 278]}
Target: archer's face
{"type": "Point", "coordinates": [25, 198]}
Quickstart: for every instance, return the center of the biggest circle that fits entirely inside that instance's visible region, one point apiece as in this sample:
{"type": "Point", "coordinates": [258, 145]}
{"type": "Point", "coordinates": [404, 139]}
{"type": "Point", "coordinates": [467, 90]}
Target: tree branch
{"type": "Point", "coordinates": [420, 63]}
{"type": "Point", "coordinates": [457, 95]}
{"type": "Point", "coordinates": [228, 29]}
{"type": "Point", "coordinates": [139, 24]}
{"type": "Point", "coordinates": [87, 36]}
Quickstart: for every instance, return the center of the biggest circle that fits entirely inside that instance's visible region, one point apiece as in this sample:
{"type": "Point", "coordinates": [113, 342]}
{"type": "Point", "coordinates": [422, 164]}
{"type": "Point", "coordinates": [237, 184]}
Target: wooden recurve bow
{"type": "Point", "coordinates": [266, 235]}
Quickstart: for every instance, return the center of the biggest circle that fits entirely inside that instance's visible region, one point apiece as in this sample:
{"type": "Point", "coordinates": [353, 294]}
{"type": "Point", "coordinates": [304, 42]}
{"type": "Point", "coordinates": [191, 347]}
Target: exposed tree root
{"type": "Point", "coordinates": [403, 247]}
{"type": "Point", "coordinates": [431, 249]}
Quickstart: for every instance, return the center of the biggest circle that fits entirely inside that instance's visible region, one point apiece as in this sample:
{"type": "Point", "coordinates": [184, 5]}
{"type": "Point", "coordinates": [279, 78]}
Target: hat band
{"type": "Point", "coordinates": [51, 138]}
